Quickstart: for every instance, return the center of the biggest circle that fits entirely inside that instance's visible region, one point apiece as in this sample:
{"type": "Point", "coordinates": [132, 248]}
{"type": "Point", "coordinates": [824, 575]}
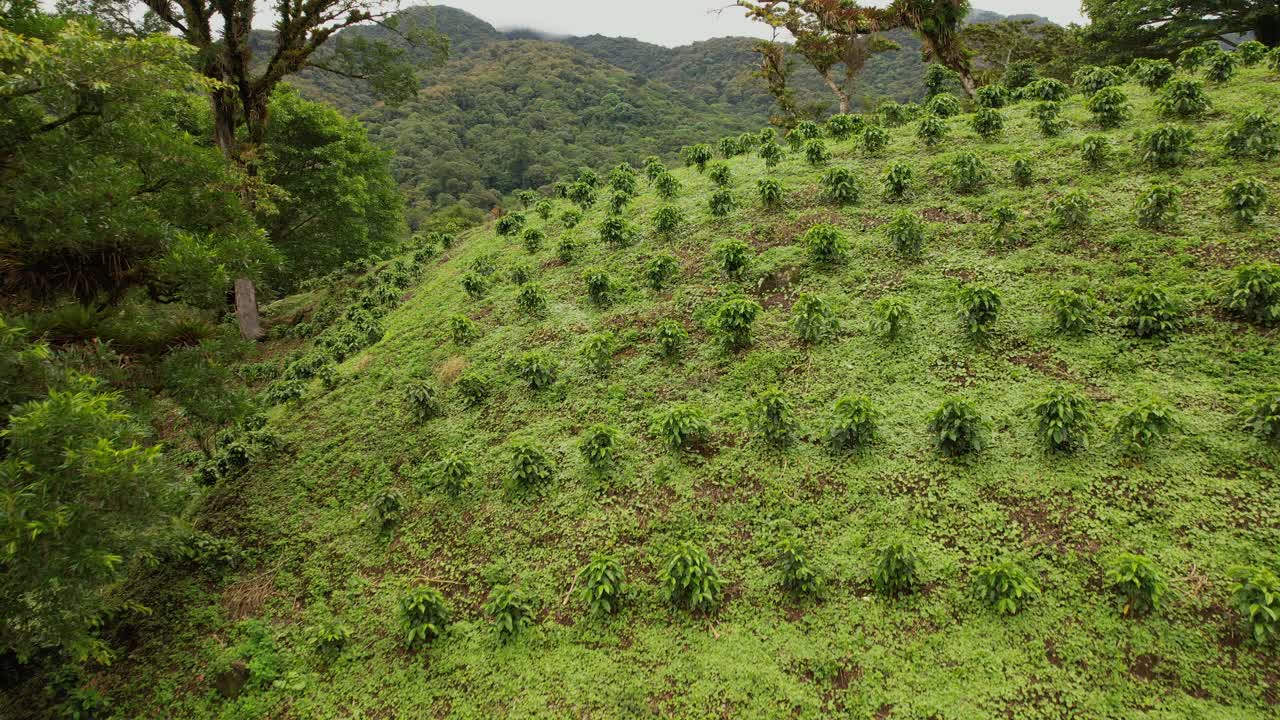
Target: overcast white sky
{"type": "Point", "coordinates": [679, 22]}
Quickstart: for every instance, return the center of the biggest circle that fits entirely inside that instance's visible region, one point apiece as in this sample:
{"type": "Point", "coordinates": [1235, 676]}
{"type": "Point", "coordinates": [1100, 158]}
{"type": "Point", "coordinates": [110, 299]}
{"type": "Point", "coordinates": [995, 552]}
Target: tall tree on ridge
{"type": "Point", "coordinates": [1124, 29]}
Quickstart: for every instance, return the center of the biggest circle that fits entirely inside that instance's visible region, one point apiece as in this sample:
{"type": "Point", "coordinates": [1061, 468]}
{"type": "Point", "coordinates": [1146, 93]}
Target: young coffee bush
{"type": "Point", "coordinates": [1047, 90]}
{"type": "Point", "coordinates": [463, 330]}
{"type": "Point", "coordinates": [588, 177]}
{"type": "Point", "coordinates": [1167, 146]}
{"type": "Point", "coordinates": [667, 221]}
{"type": "Point", "coordinates": [937, 79]}
{"type": "Point", "coordinates": [733, 322]}
{"type": "Point", "coordinates": [1073, 311]}
{"type": "Point", "coordinates": [733, 256]}
{"type": "Point", "coordinates": [1264, 416]}
{"type": "Point", "coordinates": [957, 428]}
{"type": "Point", "coordinates": [682, 428]}
{"type": "Point", "coordinates": [598, 350]}
{"type": "Point", "coordinates": [474, 386]}
{"type": "Point", "coordinates": [1183, 98]}
{"type": "Point", "coordinates": [1153, 74]}
{"type": "Point", "coordinates": [602, 583]}
{"type": "Point", "coordinates": [770, 193]}
{"type": "Point", "coordinates": [667, 186]}
{"type": "Point", "coordinates": [618, 202]}
{"type": "Point", "coordinates": [1047, 117]}
{"type": "Point", "coordinates": [854, 424]}
{"type": "Point", "coordinates": [616, 232]}
{"type": "Point", "coordinates": [670, 337]}
{"type": "Point", "coordinates": [1071, 210]}
{"type": "Point", "coordinates": [659, 271]}
{"type": "Point", "coordinates": [944, 106]}
{"type": "Point", "coordinates": [529, 468]}
{"type": "Point", "coordinates": [1110, 107]}
{"type": "Point", "coordinates": [1255, 594]}
{"type": "Point", "coordinates": [543, 209]}
{"type": "Point", "coordinates": [1139, 583]}
{"type": "Point", "coordinates": [1003, 219]}
{"type": "Point", "coordinates": [527, 197]}
{"type": "Point", "coordinates": [826, 244]}
{"type": "Point", "coordinates": [874, 139]}
{"type": "Point", "coordinates": [599, 448]}
{"type": "Point", "coordinates": [386, 510]}
{"type": "Point", "coordinates": [653, 167]}
{"type": "Point", "coordinates": [898, 181]}
{"type": "Point", "coordinates": [840, 186]}
{"type": "Point", "coordinates": [1151, 312]}
{"type": "Point", "coordinates": [894, 573]}
{"type": "Point", "coordinates": [1063, 419]}
{"type": "Point", "coordinates": [1221, 67]}
{"type": "Point", "coordinates": [510, 611]}
{"type": "Point", "coordinates": [1194, 58]}
{"type": "Point", "coordinates": [968, 173]}
{"type": "Point", "coordinates": [1144, 424]}
{"type": "Point", "coordinates": [537, 369]}
{"type": "Point", "coordinates": [1092, 79]}
{"type": "Point", "coordinates": [698, 156]}
{"type": "Point", "coordinates": [570, 218]}
{"type": "Point", "coordinates": [533, 239]}
{"type": "Point", "coordinates": [1157, 208]}
{"type": "Point", "coordinates": [452, 474]}
{"type": "Point", "coordinates": [423, 400]}
{"type": "Point", "coordinates": [979, 309]}
{"type": "Point", "coordinates": [1254, 293]}
{"type": "Point", "coordinates": [567, 250]}
{"type": "Point", "coordinates": [1256, 135]}
{"type": "Point", "coordinates": [842, 127]}
{"type": "Point", "coordinates": [890, 317]}
{"type": "Point", "coordinates": [1017, 75]}
{"type": "Point", "coordinates": [721, 203]}
{"type": "Point", "coordinates": [771, 152]}
{"type": "Point", "coordinates": [812, 318]}
{"type": "Point", "coordinates": [521, 274]}
{"type": "Point", "coordinates": [475, 284]}
{"type": "Point", "coordinates": [1246, 199]}
{"type": "Point", "coordinates": [600, 287]}
{"type": "Point", "coordinates": [1095, 150]}
{"type": "Point", "coordinates": [747, 142]}
{"type": "Point", "coordinates": [773, 418]}
{"type": "Point", "coordinates": [932, 130]}
{"type": "Point", "coordinates": [1004, 586]}
{"type": "Point", "coordinates": [893, 114]}
{"type": "Point", "coordinates": [690, 581]}
{"type": "Point", "coordinates": [816, 152]}
{"type": "Point", "coordinates": [907, 233]}
{"type": "Point", "coordinates": [510, 224]}
{"type": "Point", "coordinates": [1273, 60]}
{"type": "Point", "coordinates": [1251, 52]}
{"type": "Point", "coordinates": [1022, 172]}
{"type": "Point", "coordinates": [328, 638]}
{"type": "Point", "coordinates": [424, 614]}
{"type": "Point", "coordinates": [988, 123]}
{"type": "Point", "coordinates": [798, 577]}
{"type": "Point", "coordinates": [803, 132]}
{"type": "Point", "coordinates": [992, 96]}
{"type": "Point", "coordinates": [720, 174]}
{"type": "Point", "coordinates": [532, 300]}
{"type": "Point", "coordinates": [728, 147]}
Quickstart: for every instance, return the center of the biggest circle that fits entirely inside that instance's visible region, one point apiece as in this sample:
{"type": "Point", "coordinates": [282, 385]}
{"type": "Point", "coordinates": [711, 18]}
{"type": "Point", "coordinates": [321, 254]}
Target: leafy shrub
{"type": "Point", "coordinates": [1144, 424]}
{"type": "Point", "coordinates": [1017, 75]}
{"type": "Point", "coordinates": [1003, 218]}
{"type": "Point", "coordinates": [618, 202]}
{"type": "Point", "coordinates": [1095, 150]}
{"type": "Point", "coordinates": [681, 427]}
{"type": "Point", "coordinates": [816, 152]}
{"type": "Point", "coordinates": [670, 337]}
{"type": "Point", "coordinates": [843, 126]}
{"type": "Point", "coordinates": [733, 322]}
{"type": "Point", "coordinates": [622, 179]}
{"type": "Point", "coordinates": [803, 132]}
{"type": "Point", "coordinates": [511, 611]}
{"type": "Point", "coordinates": [1151, 312]}
{"type": "Point", "coordinates": [667, 220]}
{"type": "Point", "coordinates": [798, 578]}
{"type": "Point", "coordinates": [1022, 172]}
{"type": "Point", "coordinates": [826, 244]}
{"type": "Point", "coordinates": [473, 386]}
{"type": "Point", "coordinates": [988, 123]}
{"type": "Point", "coordinates": [1273, 59]}
{"type": "Point", "coordinates": [1264, 416]}
{"type": "Point", "coordinates": [616, 232]}
{"type": "Point", "coordinates": [937, 78]}
{"type": "Point", "coordinates": [840, 186]}
{"type": "Point", "coordinates": [729, 147]}
{"type": "Point", "coordinates": [451, 475]}
{"type": "Point", "coordinates": [733, 256]}
{"type": "Point", "coordinates": [1138, 581]}
{"type": "Point", "coordinates": [521, 274]}
{"type": "Point", "coordinates": [898, 181]}
{"type": "Point", "coordinates": [582, 195]}
{"type": "Point", "coordinates": [423, 400]}
{"type": "Point", "coordinates": [653, 167]}
{"type": "Point", "coordinates": [894, 573]}
{"type": "Point", "coordinates": [771, 152]}
{"type": "Point", "coordinates": [812, 318]}
{"type": "Point", "coordinates": [890, 317]}
{"type": "Point", "coordinates": [1046, 114]}
{"type": "Point", "coordinates": [721, 203]}
{"type": "Point", "coordinates": [1070, 210]}
{"type": "Point", "coordinates": [1183, 98]}
{"type": "Point", "coordinates": [1110, 107]}
{"type": "Point", "coordinates": [773, 418]}
{"type": "Point", "coordinates": [770, 192]}
{"type": "Point", "coordinates": [537, 369]}
{"type": "Point", "coordinates": [1221, 67]}
{"type": "Point", "coordinates": [1047, 90]}
{"type": "Point", "coordinates": [944, 106]}
{"type": "Point", "coordinates": [1167, 146]}
{"type": "Point", "coordinates": [533, 238]}
{"type": "Point", "coordinates": [854, 424]}
{"type": "Point", "coordinates": [532, 300]}
{"type": "Point", "coordinates": [603, 582]}
{"type": "Point", "coordinates": [1255, 594]}
{"type": "Point", "coordinates": [979, 308]}
{"type": "Point", "coordinates": [1246, 199]}
{"type": "Point", "coordinates": [1250, 52]}
{"type": "Point", "coordinates": [1255, 293]}
{"type": "Point", "coordinates": [567, 249]}
{"type": "Point", "coordinates": [957, 428]}
{"type": "Point", "coordinates": [543, 209]}
{"type": "Point", "coordinates": [1194, 58]}
{"type": "Point", "coordinates": [510, 224]}
{"type": "Point", "coordinates": [698, 156]}
{"type": "Point", "coordinates": [1004, 586]}
{"type": "Point", "coordinates": [968, 173]}
{"type": "Point", "coordinates": [1063, 418]}
{"type": "Point", "coordinates": [424, 613]}
{"type": "Point", "coordinates": [690, 581]}
{"type": "Point", "coordinates": [386, 510]}
{"type": "Point", "coordinates": [932, 130]}
{"type": "Point", "coordinates": [598, 351]}
{"type": "Point", "coordinates": [328, 638]}
{"type": "Point", "coordinates": [1073, 311]}
{"type": "Point", "coordinates": [893, 114]}
{"type": "Point", "coordinates": [600, 287]}
{"type": "Point", "coordinates": [1256, 135]}
{"type": "Point", "coordinates": [599, 448]}
{"type": "Point", "coordinates": [1153, 74]}
{"type": "Point", "coordinates": [907, 233]}
{"type": "Point", "coordinates": [1158, 207]}
{"type": "Point", "coordinates": [1092, 79]}
{"type": "Point", "coordinates": [992, 96]}
{"type": "Point", "coordinates": [660, 270]}
{"type": "Point", "coordinates": [720, 175]}
{"type": "Point", "coordinates": [874, 139]}
{"type": "Point", "coordinates": [475, 285]}
{"type": "Point", "coordinates": [526, 197]}
{"type": "Point", "coordinates": [530, 467]}
{"type": "Point", "coordinates": [570, 218]}
{"type": "Point", "coordinates": [667, 185]}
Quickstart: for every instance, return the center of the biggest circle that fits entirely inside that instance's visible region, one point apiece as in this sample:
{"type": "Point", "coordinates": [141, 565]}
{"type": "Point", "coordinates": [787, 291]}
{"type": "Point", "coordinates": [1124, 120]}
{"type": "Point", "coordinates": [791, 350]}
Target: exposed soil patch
{"type": "Point", "coordinates": [943, 215]}
{"type": "Point", "coordinates": [1043, 362]}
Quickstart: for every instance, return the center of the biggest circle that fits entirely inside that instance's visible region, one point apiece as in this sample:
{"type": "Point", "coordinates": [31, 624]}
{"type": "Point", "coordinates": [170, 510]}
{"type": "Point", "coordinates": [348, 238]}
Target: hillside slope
{"type": "Point", "coordinates": [1196, 503]}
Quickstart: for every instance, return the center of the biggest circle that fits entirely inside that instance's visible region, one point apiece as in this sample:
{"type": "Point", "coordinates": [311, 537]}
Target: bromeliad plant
{"type": "Point", "coordinates": [659, 271]}
{"type": "Point", "coordinates": [840, 186]}
{"type": "Point", "coordinates": [1139, 583]}
{"type": "Point", "coordinates": [1064, 417]}
{"type": "Point", "coordinates": [826, 244]}
{"type": "Point", "coordinates": [957, 428]}
{"type": "Point", "coordinates": [670, 337]}
{"type": "Point", "coordinates": [1151, 312]}
{"type": "Point", "coordinates": [1073, 311]}
{"type": "Point", "coordinates": [1255, 594]}
{"type": "Point", "coordinates": [1254, 293]}
{"type": "Point", "coordinates": [854, 424]}
{"type": "Point", "coordinates": [770, 193]}
{"type": "Point", "coordinates": [895, 573]}
{"type": "Point", "coordinates": [599, 448]}
{"type": "Point", "coordinates": [733, 322]}
{"type": "Point", "coordinates": [812, 318]}
{"type": "Point", "coordinates": [1004, 586]}
{"type": "Point", "coordinates": [979, 309]}
{"type": "Point", "coordinates": [773, 418]}
{"type": "Point", "coordinates": [1144, 424]}
{"type": "Point", "coordinates": [733, 256]}
{"type": "Point", "coordinates": [682, 427]}
{"type": "Point", "coordinates": [424, 614]}
{"type": "Point", "coordinates": [890, 317]}
{"type": "Point", "coordinates": [603, 583]}
{"type": "Point", "coordinates": [798, 576]}
{"type": "Point", "coordinates": [511, 612]}
{"type": "Point", "coordinates": [906, 232]}
{"type": "Point", "coordinates": [690, 581]}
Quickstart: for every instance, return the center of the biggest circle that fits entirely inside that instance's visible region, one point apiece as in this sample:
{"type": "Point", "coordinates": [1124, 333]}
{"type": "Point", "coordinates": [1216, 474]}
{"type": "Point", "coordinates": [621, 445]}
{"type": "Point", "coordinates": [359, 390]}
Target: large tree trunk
{"type": "Point", "coordinates": [840, 93]}
{"type": "Point", "coordinates": [247, 309]}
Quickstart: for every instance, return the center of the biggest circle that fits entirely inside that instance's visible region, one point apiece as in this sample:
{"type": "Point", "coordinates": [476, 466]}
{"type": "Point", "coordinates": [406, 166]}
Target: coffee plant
{"type": "Point", "coordinates": [452, 474]}
{"type": "Point", "coordinates": [1070, 210]}
{"type": "Point", "coordinates": [510, 224]}
{"type": "Point", "coordinates": [798, 577]}
{"type": "Point", "coordinates": [957, 428]}
{"type": "Point", "coordinates": [570, 218]}
{"type": "Point", "coordinates": [874, 140]}
{"type": "Point", "coordinates": [567, 250]}
{"type": "Point", "coordinates": [1273, 60]}
{"type": "Point", "coordinates": [1255, 293]}
{"type": "Point", "coordinates": [733, 322]}
{"type": "Point", "coordinates": [602, 584]}
{"type": "Point", "coordinates": [1246, 199]}
{"type": "Point", "coordinates": [826, 244]}
{"type": "Point", "coordinates": [1110, 107]}
{"type": "Point", "coordinates": [1095, 150]}
{"type": "Point", "coordinates": [771, 152]}
{"type": "Point", "coordinates": [600, 287]}
{"type": "Point", "coordinates": [473, 386]}
{"type": "Point", "coordinates": [532, 300]}
{"type": "Point", "coordinates": [530, 467]}
{"type": "Point", "coordinates": [1138, 582]}
{"type": "Point", "coordinates": [616, 232]}
{"type": "Point", "coordinates": [1022, 172]}
{"type": "Point", "coordinates": [537, 369]}
{"type": "Point", "coordinates": [816, 152]}
{"type": "Point", "coordinates": [1256, 135]}
{"type": "Point", "coordinates": [386, 510]}
{"type": "Point", "coordinates": [842, 127]}
{"type": "Point", "coordinates": [423, 400]}
{"type": "Point", "coordinates": [890, 317]}
{"type": "Point", "coordinates": [1073, 311]}
{"type": "Point", "coordinates": [1063, 418]}
{"type": "Point", "coordinates": [1157, 208]}
{"type": "Point", "coordinates": [803, 132]}
{"type": "Point", "coordinates": [690, 581]}
{"type": "Point", "coordinates": [907, 233]}
{"type": "Point", "coordinates": [1047, 90]}
{"type": "Point", "coordinates": [1221, 67]}
{"type": "Point", "coordinates": [511, 612]}
{"type": "Point", "coordinates": [698, 156]}
{"type": "Point", "coordinates": [667, 185]}
{"type": "Point", "coordinates": [475, 285]}
{"type": "Point", "coordinates": [1195, 57]}
{"type": "Point", "coordinates": [987, 123]}
{"type": "Point", "coordinates": [1092, 79]}
{"type": "Point", "coordinates": [1264, 416]}
{"type": "Point", "coordinates": [533, 238]}
{"type": "Point", "coordinates": [543, 209]}
{"type": "Point", "coordinates": [1151, 312]}
{"type": "Point", "coordinates": [931, 130]}
{"type": "Point", "coordinates": [721, 203]}
{"type": "Point", "coordinates": [979, 309]}
{"type": "Point", "coordinates": [1183, 98]}
{"type": "Point", "coordinates": [588, 177]}
{"type": "Point", "coordinates": [944, 106]}
{"type": "Point", "coordinates": [968, 173]}
{"type": "Point", "coordinates": [1255, 594]}
{"type": "Point", "coordinates": [1017, 75]}
{"type": "Point", "coordinates": [1251, 52]}
{"type": "Point", "coordinates": [770, 193]}
{"type": "Point", "coordinates": [599, 448]}
{"type": "Point", "coordinates": [720, 175]}
{"type": "Point", "coordinates": [1003, 218]}
{"type": "Point", "coordinates": [898, 181]}
{"type": "Point", "coordinates": [733, 256]}
{"type": "Point", "coordinates": [773, 418]}
{"type": "Point", "coordinates": [463, 330]}
{"type": "Point", "coordinates": [1167, 146]}
{"type": "Point", "coordinates": [1046, 114]}
{"type": "Point", "coordinates": [597, 351]}
{"type": "Point", "coordinates": [1153, 74]}
{"type": "Point", "coordinates": [560, 189]}
{"type": "Point", "coordinates": [1004, 586]}
{"type": "Point", "coordinates": [840, 186]}
{"type": "Point", "coordinates": [854, 424]}
{"type": "Point", "coordinates": [654, 167]}
{"type": "Point", "coordinates": [681, 428]}
{"type": "Point", "coordinates": [812, 319]}
{"type": "Point", "coordinates": [991, 96]}
{"type": "Point", "coordinates": [671, 338]}
{"type": "Point", "coordinates": [729, 147]}
{"type": "Point", "coordinates": [667, 220]}
{"type": "Point", "coordinates": [527, 197]}
{"type": "Point", "coordinates": [937, 79]}
{"type": "Point", "coordinates": [424, 614]}
{"type": "Point", "coordinates": [618, 202]}
{"type": "Point", "coordinates": [659, 271]}
{"type": "Point", "coordinates": [894, 573]}
{"type": "Point", "coordinates": [1144, 424]}
{"type": "Point", "coordinates": [521, 274]}
{"type": "Point", "coordinates": [327, 638]}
